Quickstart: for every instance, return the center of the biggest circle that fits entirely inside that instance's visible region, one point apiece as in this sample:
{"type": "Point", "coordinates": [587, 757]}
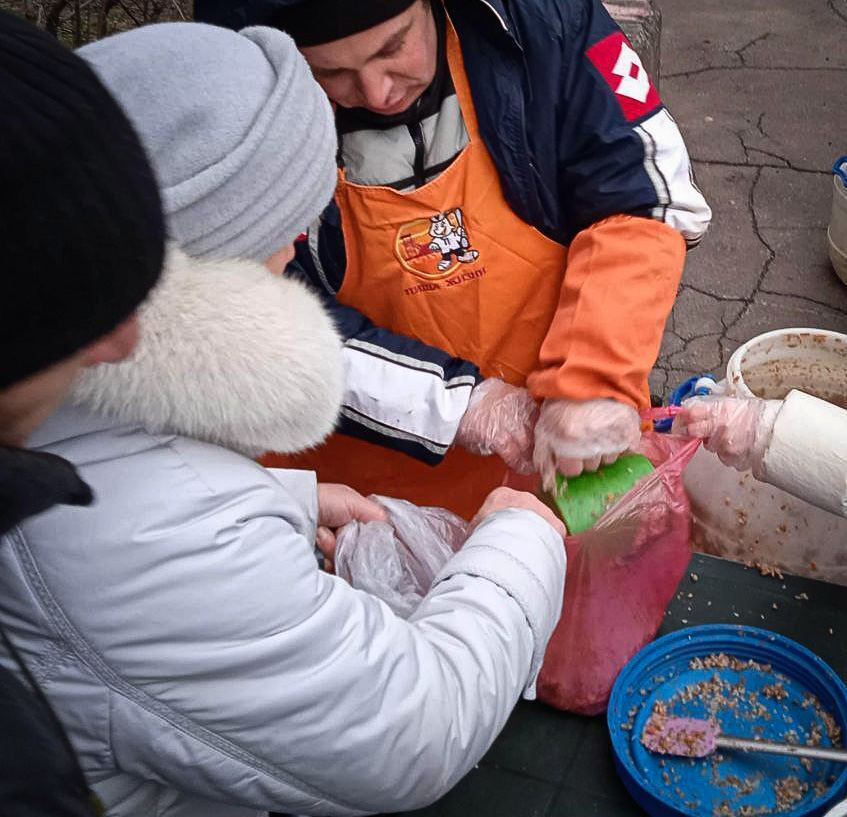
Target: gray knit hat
{"type": "Point", "coordinates": [241, 137]}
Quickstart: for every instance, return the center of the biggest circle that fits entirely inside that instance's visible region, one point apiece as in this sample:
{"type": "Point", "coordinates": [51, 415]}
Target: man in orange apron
{"type": "Point", "coordinates": [509, 230]}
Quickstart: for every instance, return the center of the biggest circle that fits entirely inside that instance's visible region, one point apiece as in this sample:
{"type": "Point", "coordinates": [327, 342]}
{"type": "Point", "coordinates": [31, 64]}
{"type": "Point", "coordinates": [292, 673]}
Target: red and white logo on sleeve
{"type": "Point", "coordinates": [621, 67]}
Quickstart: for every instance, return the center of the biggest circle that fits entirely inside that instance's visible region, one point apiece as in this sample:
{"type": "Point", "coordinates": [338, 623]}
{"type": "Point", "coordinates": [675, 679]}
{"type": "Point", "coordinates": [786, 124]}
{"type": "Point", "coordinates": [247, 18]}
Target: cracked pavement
{"type": "Point", "coordinates": [758, 89]}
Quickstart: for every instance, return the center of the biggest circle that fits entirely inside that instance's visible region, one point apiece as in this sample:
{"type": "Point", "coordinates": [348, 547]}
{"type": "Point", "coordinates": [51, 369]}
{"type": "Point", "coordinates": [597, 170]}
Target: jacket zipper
{"type": "Point", "coordinates": [416, 132]}
{"type": "Point", "coordinates": [497, 15]}
{"type": "Point", "coordinates": [503, 24]}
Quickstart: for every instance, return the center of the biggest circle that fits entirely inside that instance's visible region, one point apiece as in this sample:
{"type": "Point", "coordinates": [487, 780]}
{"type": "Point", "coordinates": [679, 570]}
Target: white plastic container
{"type": "Point", "coordinates": [740, 518]}
{"type": "Point", "coordinates": [836, 234]}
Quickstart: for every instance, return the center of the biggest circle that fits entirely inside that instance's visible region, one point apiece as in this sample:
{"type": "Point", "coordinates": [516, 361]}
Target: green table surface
{"type": "Point", "coordinates": [550, 764]}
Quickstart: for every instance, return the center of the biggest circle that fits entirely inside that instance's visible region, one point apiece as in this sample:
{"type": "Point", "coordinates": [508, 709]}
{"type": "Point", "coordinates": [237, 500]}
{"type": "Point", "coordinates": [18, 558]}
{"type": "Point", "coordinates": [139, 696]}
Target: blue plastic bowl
{"type": "Point", "coordinates": [669, 787]}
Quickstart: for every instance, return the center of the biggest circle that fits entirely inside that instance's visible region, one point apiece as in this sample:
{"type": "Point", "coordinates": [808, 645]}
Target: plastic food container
{"type": "Point", "coordinates": [775, 699]}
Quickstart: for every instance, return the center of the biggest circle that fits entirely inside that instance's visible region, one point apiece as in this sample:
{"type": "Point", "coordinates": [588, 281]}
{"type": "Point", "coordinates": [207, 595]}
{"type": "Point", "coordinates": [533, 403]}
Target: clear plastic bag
{"type": "Point", "coordinates": [622, 574]}
{"type": "Point", "coordinates": [397, 560]}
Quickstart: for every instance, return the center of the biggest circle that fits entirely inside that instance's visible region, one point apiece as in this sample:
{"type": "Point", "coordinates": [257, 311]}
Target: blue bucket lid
{"type": "Point", "coordinates": [781, 696]}
{"type": "Point", "coordinates": [840, 168]}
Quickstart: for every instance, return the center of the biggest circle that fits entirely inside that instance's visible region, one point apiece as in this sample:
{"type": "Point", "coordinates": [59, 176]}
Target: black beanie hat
{"type": "Point", "coordinates": [315, 22]}
{"type": "Point", "coordinates": [81, 226]}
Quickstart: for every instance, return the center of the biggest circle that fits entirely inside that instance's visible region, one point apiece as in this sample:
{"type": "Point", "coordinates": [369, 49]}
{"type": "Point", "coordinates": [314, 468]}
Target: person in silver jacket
{"type": "Point", "coordinates": [201, 662]}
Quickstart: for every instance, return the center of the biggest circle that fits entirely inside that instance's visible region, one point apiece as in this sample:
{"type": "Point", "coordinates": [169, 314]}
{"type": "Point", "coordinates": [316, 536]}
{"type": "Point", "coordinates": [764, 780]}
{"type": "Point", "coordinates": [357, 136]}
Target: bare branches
{"type": "Point", "coordinates": [77, 22]}
{"type": "Point", "coordinates": [53, 15]}
{"type": "Point", "coordinates": [105, 6]}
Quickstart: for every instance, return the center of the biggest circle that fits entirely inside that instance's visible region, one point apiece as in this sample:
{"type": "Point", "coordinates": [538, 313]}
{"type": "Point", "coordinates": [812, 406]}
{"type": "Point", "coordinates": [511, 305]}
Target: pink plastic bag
{"type": "Point", "coordinates": [621, 577]}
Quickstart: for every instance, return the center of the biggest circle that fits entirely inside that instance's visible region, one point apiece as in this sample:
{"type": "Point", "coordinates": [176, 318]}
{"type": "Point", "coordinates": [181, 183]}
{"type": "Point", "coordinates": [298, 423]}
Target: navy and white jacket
{"type": "Point", "coordinates": [577, 133]}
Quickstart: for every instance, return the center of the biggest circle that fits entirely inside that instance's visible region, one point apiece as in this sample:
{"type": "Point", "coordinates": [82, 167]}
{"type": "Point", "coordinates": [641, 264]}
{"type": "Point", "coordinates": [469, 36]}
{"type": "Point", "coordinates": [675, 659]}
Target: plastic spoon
{"type": "Point", "coordinates": [692, 737]}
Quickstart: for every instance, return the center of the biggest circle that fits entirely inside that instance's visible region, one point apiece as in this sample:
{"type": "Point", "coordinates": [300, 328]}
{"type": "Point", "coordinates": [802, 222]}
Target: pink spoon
{"type": "Point", "coordinates": [691, 737]}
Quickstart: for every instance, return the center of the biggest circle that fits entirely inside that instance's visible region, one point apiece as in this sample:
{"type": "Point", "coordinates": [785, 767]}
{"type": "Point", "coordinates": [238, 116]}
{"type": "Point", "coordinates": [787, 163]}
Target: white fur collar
{"type": "Point", "coordinates": [229, 354]}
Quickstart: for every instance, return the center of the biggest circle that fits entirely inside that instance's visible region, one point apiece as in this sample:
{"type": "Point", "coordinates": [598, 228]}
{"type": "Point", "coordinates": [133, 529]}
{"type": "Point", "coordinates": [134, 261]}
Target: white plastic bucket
{"type": "Point", "coordinates": [771, 365]}
{"type": "Point", "coordinates": [740, 518]}
{"type": "Point", "coordinates": [837, 232]}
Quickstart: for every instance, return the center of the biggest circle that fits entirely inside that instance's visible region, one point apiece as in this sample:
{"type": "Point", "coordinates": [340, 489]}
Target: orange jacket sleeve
{"type": "Point", "coordinates": [621, 281]}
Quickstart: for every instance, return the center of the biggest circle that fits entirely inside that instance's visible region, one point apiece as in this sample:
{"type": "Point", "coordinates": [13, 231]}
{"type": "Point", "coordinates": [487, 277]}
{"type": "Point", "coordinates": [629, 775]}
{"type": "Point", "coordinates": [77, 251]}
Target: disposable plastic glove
{"type": "Point", "coordinates": [737, 429]}
{"type": "Point", "coordinates": [500, 420]}
{"type": "Point", "coordinates": [575, 436]}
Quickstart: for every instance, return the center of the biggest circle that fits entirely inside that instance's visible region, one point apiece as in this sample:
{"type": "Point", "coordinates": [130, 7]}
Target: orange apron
{"type": "Point", "coordinates": [451, 265]}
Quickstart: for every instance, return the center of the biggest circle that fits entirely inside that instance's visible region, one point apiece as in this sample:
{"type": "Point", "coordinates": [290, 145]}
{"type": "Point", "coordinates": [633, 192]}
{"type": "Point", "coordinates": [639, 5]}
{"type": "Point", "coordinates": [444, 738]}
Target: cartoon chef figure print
{"type": "Point", "coordinates": [449, 237]}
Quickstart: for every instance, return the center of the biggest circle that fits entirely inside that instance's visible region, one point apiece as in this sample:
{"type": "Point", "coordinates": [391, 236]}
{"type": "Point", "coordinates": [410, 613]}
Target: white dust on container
{"type": "Point", "coordinates": [740, 518]}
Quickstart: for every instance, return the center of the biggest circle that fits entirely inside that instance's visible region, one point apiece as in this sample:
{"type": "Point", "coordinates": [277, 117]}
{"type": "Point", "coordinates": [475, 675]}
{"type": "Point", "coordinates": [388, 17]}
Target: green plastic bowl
{"type": "Point", "coordinates": [582, 500]}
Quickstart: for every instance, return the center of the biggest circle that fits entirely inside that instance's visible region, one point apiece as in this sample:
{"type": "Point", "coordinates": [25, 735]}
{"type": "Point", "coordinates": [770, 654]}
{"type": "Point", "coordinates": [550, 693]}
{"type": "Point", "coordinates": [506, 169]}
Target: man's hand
{"type": "Point", "coordinates": [338, 505]}
{"type": "Point", "coordinates": [575, 436]}
{"type": "Point", "coordinates": [502, 498]}
{"type": "Point", "coordinates": [500, 420]}
{"type": "Point", "coordinates": [737, 429]}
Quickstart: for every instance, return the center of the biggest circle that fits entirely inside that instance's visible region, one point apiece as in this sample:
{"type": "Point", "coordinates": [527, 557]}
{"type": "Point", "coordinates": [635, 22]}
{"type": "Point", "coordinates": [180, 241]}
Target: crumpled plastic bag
{"type": "Point", "coordinates": [622, 574]}
{"type": "Point", "coordinates": [397, 560]}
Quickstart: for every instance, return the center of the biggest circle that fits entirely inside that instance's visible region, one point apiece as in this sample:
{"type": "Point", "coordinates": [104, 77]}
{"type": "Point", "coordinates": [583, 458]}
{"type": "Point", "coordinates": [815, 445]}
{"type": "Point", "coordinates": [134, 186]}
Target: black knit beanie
{"type": "Point", "coordinates": [81, 227]}
{"type": "Point", "coordinates": [315, 22]}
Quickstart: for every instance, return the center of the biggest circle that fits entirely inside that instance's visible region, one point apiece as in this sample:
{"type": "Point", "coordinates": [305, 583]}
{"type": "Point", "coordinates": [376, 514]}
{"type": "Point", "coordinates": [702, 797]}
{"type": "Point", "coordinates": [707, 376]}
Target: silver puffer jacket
{"type": "Point", "coordinates": [201, 663]}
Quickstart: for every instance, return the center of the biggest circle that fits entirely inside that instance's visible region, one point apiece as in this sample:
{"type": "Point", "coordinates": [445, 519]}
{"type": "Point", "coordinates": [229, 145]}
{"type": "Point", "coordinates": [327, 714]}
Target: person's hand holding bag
{"type": "Point", "coordinates": [737, 429]}
{"type": "Point", "coordinates": [574, 436]}
{"type": "Point", "coordinates": [501, 499]}
{"type": "Point", "coordinates": [338, 505]}
{"type": "Point", "coordinates": [499, 420]}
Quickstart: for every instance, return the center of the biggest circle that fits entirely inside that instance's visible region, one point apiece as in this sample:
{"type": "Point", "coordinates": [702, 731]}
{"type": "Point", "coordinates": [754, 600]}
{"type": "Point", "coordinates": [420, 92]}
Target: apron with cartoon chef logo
{"type": "Point", "coordinates": [451, 265]}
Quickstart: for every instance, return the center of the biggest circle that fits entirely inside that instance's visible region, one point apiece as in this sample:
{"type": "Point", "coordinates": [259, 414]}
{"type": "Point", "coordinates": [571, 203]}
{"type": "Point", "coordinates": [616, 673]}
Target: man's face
{"type": "Point", "coordinates": [28, 403]}
{"type": "Point", "coordinates": [384, 69]}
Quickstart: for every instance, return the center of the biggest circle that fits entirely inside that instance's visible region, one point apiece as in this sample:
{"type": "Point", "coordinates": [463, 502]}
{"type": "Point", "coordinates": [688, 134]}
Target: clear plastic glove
{"type": "Point", "coordinates": [337, 506]}
{"type": "Point", "coordinates": [575, 436]}
{"type": "Point", "coordinates": [499, 420]}
{"type": "Point", "coordinates": [737, 429]}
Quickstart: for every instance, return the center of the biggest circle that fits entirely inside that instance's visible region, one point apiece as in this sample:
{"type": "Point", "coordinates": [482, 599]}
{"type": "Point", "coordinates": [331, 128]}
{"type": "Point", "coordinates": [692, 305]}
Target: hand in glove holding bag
{"type": "Point", "coordinates": [737, 429]}
{"type": "Point", "coordinates": [574, 436]}
{"type": "Point", "coordinates": [499, 420]}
